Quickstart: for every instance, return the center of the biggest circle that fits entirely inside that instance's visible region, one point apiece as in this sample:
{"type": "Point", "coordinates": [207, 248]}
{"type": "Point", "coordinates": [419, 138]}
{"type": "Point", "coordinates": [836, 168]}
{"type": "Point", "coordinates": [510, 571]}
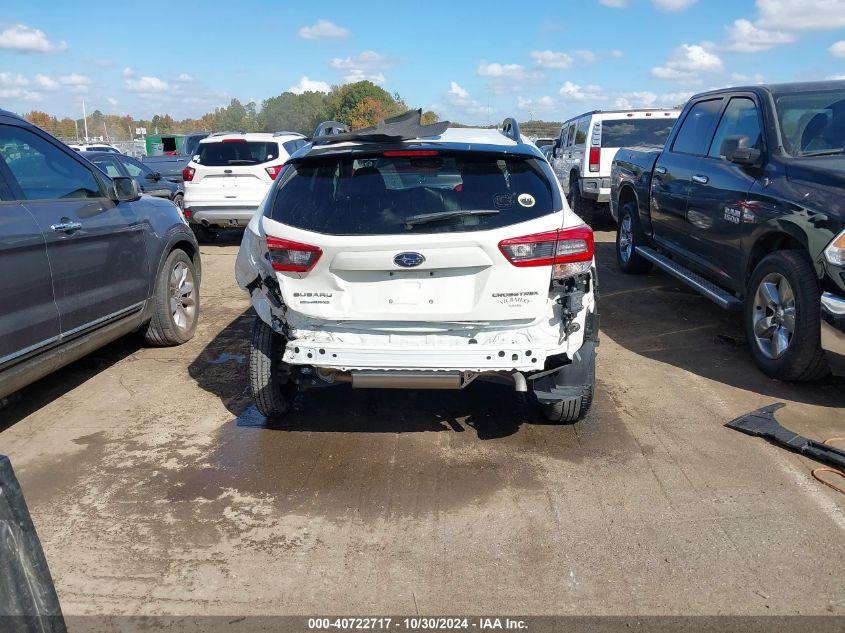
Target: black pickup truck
{"type": "Point", "coordinates": [746, 204]}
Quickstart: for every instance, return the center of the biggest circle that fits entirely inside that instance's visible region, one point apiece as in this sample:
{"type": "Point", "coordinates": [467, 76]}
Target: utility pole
{"type": "Point", "coordinates": [76, 127]}
{"type": "Point", "coordinates": [85, 120]}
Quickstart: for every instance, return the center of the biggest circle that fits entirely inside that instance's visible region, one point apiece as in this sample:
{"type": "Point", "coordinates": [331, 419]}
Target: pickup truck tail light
{"type": "Point", "coordinates": [294, 257]}
{"type": "Point", "coordinates": [570, 251]}
{"type": "Point", "coordinates": [595, 159]}
{"type": "Point", "coordinates": [835, 252]}
{"type": "Point", "coordinates": [188, 174]}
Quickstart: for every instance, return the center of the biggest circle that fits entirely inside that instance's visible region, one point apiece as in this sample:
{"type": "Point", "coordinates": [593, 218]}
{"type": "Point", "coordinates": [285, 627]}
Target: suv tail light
{"type": "Point", "coordinates": [294, 257]}
{"type": "Point", "coordinates": [273, 171]}
{"type": "Point", "coordinates": [188, 174]}
{"type": "Point", "coordinates": [570, 251]}
{"type": "Point", "coordinates": [595, 158]}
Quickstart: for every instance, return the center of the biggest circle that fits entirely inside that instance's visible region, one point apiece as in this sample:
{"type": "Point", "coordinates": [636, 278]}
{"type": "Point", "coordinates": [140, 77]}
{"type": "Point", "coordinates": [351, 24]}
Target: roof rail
{"type": "Point", "coordinates": [330, 128]}
{"type": "Point", "coordinates": [225, 133]}
{"type": "Point", "coordinates": [510, 128]}
{"type": "Point", "coordinates": [287, 133]}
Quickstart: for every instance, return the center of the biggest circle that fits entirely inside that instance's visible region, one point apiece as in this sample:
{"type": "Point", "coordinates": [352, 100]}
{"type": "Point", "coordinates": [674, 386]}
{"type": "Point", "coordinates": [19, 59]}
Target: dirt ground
{"type": "Point", "coordinates": [156, 490]}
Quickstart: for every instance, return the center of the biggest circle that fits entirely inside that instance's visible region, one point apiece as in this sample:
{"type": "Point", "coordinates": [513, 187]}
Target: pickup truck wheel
{"type": "Point", "coordinates": [782, 318]}
{"type": "Point", "coordinates": [583, 208]}
{"type": "Point", "coordinates": [272, 385]}
{"type": "Point", "coordinates": [176, 302]}
{"type": "Point", "coordinates": [628, 237]}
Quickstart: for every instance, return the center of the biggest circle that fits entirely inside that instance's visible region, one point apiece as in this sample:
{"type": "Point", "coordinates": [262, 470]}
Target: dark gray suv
{"type": "Point", "coordinates": [84, 259]}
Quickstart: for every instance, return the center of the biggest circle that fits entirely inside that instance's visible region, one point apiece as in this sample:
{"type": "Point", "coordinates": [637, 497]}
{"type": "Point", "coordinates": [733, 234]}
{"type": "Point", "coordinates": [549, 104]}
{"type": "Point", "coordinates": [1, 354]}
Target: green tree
{"type": "Point", "coordinates": [343, 100]}
{"type": "Point", "coordinates": [296, 113]}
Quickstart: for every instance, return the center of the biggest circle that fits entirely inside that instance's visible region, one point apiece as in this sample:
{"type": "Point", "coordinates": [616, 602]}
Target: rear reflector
{"type": "Point", "coordinates": [234, 140]}
{"type": "Point", "coordinates": [553, 247]}
{"type": "Point", "coordinates": [186, 212]}
{"type": "Point", "coordinates": [409, 153]}
{"type": "Point", "coordinates": [273, 171]}
{"type": "Point", "coordinates": [289, 256]}
{"type": "Point", "coordinates": [188, 174]}
{"type": "Point", "coordinates": [595, 158]}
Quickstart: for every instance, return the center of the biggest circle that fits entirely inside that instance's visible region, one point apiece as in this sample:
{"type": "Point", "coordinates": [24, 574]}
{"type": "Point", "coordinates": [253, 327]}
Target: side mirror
{"type": "Point", "coordinates": [124, 189]}
{"type": "Point", "coordinates": [155, 176]}
{"type": "Point", "coordinates": [735, 149]}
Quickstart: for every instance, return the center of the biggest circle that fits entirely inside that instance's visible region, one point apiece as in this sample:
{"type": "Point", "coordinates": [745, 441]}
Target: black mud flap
{"type": "Point", "coordinates": [570, 381]}
{"type": "Point", "coordinates": [28, 600]}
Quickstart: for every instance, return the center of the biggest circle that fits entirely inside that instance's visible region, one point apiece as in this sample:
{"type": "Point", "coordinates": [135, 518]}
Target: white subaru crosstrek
{"type": "Point", "coordinates": [229, 176]}
{"type": "Point", "coordinates": [420, 257]}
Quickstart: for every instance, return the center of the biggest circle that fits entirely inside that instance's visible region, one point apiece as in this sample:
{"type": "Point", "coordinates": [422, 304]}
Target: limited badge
{"type": "Point", "coordinates": [526, 200]}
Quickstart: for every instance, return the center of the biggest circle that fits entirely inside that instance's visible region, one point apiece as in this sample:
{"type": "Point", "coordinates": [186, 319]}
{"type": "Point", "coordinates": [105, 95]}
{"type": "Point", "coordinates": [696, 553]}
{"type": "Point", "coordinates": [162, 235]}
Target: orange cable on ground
{"type": "Point", "coordinates": [835, 471]}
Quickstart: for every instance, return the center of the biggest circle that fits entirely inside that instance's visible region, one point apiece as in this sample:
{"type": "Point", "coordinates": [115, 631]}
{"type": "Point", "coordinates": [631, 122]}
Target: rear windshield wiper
{"type": "Point", "coordinates": [427, 218]}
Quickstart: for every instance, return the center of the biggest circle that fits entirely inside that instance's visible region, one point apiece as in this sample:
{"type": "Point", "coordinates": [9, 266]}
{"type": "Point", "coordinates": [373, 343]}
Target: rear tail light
{"type": "Point", "coordinates": [186, 212]}
{"type": "Point", "coordinates": [570, 251]}
{"type": "Point", "coordinates": [294, 257]}
{"type": "Point", "coordinates": [595, 158]}
{"type": "Point", "coordinates": [188, 174]}
{"type": "Point", "coordinates": [273, 171]}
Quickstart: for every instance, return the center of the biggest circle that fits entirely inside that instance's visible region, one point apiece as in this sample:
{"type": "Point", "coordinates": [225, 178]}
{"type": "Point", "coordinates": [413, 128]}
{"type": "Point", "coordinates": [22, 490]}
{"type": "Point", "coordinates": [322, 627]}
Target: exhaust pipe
{"type": "Point", "coordinates": [205, 223]}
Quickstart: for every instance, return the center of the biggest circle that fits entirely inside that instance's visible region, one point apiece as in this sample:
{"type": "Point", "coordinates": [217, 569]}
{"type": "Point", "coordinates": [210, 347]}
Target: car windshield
{"type": "Point", "coordinates": [812, 123]}
{"type": "Point", "coordinates": [434, 193]}
{"type": "Point", "coordinates": [635, 132]}
{"type": "Point", "coordinates": [236, 152]}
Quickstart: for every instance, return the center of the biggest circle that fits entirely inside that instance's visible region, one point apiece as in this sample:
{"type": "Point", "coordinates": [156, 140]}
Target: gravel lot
{"type": "Point", "coordinates": [156, 491]}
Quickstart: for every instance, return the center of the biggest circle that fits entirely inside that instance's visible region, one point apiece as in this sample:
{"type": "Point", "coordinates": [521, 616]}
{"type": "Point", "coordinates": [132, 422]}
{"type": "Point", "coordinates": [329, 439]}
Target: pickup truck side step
{"type": "Point", "coordinates": [710, 290]}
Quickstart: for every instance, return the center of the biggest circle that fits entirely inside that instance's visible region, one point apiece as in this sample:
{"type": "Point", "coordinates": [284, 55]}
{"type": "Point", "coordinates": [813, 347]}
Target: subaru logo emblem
{"type": "Point", "coordinates": [408, 260]}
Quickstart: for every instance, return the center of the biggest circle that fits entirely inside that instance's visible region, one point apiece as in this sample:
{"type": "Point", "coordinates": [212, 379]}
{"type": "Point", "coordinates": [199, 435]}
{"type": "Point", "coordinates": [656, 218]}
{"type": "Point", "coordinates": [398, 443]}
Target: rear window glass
{"type": "Point", "coordinates": [236, 153]}
{"type": "Point", "coordinates": [292, 146]}
{"type": "Point", "coordinates": [389, 195]}
{"type": "Point", "coordinates": [636, 132]}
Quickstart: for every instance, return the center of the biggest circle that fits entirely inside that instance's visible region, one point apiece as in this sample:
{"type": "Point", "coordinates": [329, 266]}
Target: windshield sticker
{"type": "Point", "coordinates": [526, 200]}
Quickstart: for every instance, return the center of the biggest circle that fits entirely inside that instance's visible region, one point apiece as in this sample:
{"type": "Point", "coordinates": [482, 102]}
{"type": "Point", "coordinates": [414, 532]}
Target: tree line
{"type": "Point", "coordinates": [357, 104]}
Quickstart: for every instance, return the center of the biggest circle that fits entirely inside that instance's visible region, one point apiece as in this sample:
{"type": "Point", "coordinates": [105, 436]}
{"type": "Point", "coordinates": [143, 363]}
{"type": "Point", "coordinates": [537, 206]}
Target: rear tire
{"type": "Point", "coordinates": [272, 385]}
{"type": "Point", "coordinates": [628, 237]}
{"type": "Point", "coordinates": [573, 409]}
{"type": "Point", "coordinates": [583, 208]}
{"type": "Point", "coordinates": [793, 319]}
{"type": "Point", "coordinates": [203, 233]}
{"type": "Point", "coordinates": [176, 300]}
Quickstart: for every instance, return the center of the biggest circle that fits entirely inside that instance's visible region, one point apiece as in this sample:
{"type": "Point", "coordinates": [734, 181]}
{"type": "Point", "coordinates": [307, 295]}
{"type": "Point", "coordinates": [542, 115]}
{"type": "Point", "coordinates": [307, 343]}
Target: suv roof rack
{"type": "Point", "coordinates": [404, 127]}
{"type": "Point", "coordinates": [510, 128]}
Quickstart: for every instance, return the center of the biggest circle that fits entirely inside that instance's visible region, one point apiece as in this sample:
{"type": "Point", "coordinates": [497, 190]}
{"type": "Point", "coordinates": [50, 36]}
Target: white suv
{"type": "Point", "coordinates": [420, 257]}
{"type": "Point", "coordinates": [230, 174]}
{"type": "Point", "coordinates": [584, 152]}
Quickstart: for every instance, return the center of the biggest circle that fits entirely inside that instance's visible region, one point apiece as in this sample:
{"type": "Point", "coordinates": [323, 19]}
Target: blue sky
{"type": "Point", "coordinates": [470, 61]}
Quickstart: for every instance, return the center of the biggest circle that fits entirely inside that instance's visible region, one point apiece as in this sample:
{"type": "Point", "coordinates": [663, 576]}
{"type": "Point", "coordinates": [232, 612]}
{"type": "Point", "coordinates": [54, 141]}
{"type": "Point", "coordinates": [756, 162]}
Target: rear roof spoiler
{"type": "Point", "coordinates": [404, 127]}
{"type": "Point", "coordinates": [510, 128]}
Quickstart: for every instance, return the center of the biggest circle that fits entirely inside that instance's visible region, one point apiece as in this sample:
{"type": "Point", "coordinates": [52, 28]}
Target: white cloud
{"type": "Point", "coordinates": [745, 37]}
{"type": "Point", "coordinates": [29, 40]}
{"type": "Point", "coordinates": [10, 79]}
{"type": "Point", "coordinates": [112, 101]}
{"type": "Point", "coordinates": [545, 105]}
{"type": "Point", "coordinates": [367, 60]}
{"type": "Point", "coordinates": [614, 4]}
{"type": "Point", "coordinates": [801, 15]}
{"type": "Point", "coordinates": [147, 85]}
{"type": "Point", "coordinates": [309, 85]}
{"type": "Point", "coordinates": [588, 57]}
{"type": "Point", "coordinates": [74, 79]}
{"type": "Point", "coordinates": [494, 69]}
{"type": "Point", "coordinates": [323, 29]}
{"type": "Point", "coordinates": [46, 83]}
{"type": "Point", "coordinates": [548, 59]}
{"type": "Point", "coordinates": [19, 94]}
{"type": "Point", "coordinates": [739, 78]}
{"type": "Point", "coordinates": [128, 72]}
{"type": "Point", "coordinates": [356, 74]}
{"type": "Point", "coordinates": [573, 92]}
{"type": "Point", "coordinates": [688, 63]}
{"type": "Point", "coordinates": [838, 49]}
{"type": "Point", "coordinates": [461, 102]}
{"type": "Point", "coordinates": [839, 77]}
{"type": "Point", "coordinates": [185, 77]}
{"type": "Point", "coordinates": [673, 5]}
